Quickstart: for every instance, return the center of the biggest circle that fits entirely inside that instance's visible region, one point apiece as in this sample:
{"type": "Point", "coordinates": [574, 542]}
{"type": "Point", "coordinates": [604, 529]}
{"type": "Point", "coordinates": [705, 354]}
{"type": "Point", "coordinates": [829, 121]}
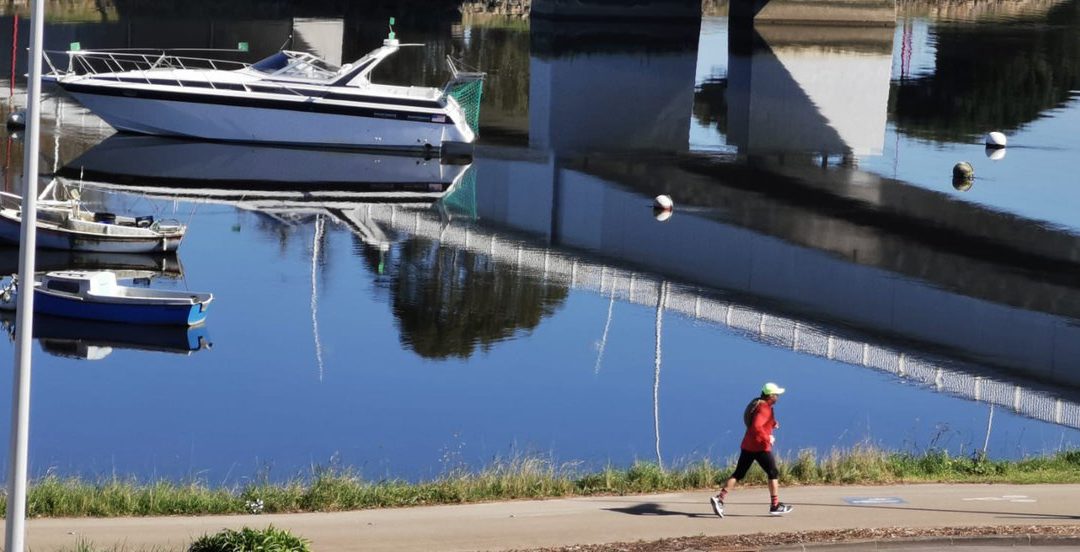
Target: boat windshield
{"type": "Point", "coordinates": [300, 65]}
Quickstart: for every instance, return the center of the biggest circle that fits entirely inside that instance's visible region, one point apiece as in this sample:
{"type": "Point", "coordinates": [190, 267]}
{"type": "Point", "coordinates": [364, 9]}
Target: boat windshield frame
{"type": "Point", "coordinates": [298, 65]}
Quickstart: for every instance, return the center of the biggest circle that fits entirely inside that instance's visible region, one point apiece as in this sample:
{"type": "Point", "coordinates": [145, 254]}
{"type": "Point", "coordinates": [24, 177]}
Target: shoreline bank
{"type": "Point", "coordinates": [337, 490]}
{"type": "Point", "coordinates": [595, 523]}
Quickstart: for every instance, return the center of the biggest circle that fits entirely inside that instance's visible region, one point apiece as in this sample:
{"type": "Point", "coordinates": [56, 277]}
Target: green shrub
{"type": "Point", "coordinates": [250, 540]}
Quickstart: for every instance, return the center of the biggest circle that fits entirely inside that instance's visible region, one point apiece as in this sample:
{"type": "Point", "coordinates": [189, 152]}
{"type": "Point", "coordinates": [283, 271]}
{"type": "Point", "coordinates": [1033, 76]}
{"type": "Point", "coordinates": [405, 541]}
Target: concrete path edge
{"type": "Point", "coordinates": [894, 544]}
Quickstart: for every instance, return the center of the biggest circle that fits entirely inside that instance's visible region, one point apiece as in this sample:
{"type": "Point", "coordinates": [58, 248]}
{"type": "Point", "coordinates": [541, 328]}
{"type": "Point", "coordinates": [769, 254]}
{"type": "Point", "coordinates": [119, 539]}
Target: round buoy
{"type": "Point", "coordinates": [995, 140]}
{"type": "Point", "coordinates": [663, 202]}
{"type": "Point", "coordinates": [16, 119]}
{"type": "Point", "coordinates": [963, 175]}
{"type": "Point", "coordinates": [995, 154]}
{"type": "Point", "coordinates": [662, 207]}
{"type": "Point", "coordinates": [963, 171]}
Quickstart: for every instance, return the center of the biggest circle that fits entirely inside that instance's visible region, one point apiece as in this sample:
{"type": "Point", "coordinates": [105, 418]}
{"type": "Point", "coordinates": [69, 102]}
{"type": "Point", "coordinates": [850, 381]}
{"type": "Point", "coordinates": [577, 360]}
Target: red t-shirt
{"type": "Point", "coordinates": [758, 435]}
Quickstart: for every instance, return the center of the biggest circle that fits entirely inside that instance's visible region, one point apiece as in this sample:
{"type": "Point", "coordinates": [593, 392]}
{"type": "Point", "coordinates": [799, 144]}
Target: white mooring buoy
{"type": "Point", "coordinates": [663, 202]}
{"type": "Point", "coordinates": [663, 207]}
{"type": "Point", "coordinates": [995, 140]}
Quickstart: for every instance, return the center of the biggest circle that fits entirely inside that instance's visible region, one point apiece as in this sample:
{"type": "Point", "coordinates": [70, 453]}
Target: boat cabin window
{"type": "Point", "coordinates": [272, 63]}
{"type": "Point", "coordinates": [65, 286]}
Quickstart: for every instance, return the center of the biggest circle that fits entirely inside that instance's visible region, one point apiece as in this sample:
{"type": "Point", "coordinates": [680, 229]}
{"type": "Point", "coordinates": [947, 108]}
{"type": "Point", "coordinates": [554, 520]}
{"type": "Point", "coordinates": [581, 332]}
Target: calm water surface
{"type": "Point", "coordinates": [537, 307]}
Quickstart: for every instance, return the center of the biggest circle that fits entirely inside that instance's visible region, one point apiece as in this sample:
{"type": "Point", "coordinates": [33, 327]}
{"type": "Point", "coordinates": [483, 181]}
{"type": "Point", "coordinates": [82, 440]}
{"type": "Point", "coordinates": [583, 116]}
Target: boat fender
{"type": "Point", "coordinates": [8, 291]}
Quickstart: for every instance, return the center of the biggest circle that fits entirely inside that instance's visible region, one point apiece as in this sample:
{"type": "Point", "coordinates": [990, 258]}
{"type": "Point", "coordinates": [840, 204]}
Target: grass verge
{"type": "Point", "coordinates": [529, 477]}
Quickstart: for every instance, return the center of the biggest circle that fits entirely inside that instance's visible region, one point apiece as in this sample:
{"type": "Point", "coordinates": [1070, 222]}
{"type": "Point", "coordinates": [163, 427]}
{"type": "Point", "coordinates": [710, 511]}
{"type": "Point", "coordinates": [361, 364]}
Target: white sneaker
{"type": "Point", "coordinates": [717, 506]}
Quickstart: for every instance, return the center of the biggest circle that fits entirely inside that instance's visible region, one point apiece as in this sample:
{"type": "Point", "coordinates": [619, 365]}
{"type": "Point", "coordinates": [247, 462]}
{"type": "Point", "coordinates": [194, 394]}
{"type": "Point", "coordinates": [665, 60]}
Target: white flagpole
{"type": "Point", "coordinates": [15, 528]}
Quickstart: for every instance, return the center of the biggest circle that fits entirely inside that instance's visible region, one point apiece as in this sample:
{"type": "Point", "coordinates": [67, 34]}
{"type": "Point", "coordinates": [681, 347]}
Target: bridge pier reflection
{"type": "Point", "coordinates": [842, 12]}
{"type": "Point", "coordinates": [808, 89]}
{"type": "Point", "coordinates": [605, 86]}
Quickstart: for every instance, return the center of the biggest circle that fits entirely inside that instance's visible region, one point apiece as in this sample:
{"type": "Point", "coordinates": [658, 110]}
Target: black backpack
{"type": "Point", "coordinates": [748, 414]}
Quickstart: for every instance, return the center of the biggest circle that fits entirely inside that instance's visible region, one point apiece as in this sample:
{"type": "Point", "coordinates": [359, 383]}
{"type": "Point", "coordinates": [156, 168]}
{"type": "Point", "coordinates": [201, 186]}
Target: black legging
{"type": "Point", "coordinates": [764, 459]}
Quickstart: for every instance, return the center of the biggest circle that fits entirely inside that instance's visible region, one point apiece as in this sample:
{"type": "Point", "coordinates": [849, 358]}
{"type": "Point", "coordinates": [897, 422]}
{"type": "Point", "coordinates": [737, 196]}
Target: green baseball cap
{"type": "Point", "coordinates": [772, 389]}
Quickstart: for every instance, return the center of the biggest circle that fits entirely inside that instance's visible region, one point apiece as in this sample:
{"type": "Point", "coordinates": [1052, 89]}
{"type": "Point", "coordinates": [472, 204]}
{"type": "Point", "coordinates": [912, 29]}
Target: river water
{"type": "Point", "coordinates": [529, 303]}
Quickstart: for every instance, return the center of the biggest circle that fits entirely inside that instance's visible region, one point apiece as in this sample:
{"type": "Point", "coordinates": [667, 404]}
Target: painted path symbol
{"type": "Point", "coordinates": [873, 500]}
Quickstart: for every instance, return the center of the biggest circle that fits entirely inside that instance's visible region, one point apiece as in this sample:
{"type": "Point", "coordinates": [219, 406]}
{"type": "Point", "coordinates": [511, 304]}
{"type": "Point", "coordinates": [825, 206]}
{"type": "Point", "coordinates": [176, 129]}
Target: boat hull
{"type": "Point", "coordinates": [288, 122]}
{"type": "Point", "coordinates": [170, 315]}
{"type": "Point", "coordinates": [49, 238]}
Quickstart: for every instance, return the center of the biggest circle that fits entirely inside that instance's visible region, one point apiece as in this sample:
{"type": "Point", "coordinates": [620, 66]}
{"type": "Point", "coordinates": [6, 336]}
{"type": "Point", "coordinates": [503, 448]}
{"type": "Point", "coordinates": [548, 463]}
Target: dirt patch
{"type": "Point", "coordinates": [760, 541]}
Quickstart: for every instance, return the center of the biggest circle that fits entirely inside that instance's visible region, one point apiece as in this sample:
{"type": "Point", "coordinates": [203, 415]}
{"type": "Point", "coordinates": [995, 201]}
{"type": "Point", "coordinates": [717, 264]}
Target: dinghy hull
{"type": "Point", "coordinates": [167, 315]}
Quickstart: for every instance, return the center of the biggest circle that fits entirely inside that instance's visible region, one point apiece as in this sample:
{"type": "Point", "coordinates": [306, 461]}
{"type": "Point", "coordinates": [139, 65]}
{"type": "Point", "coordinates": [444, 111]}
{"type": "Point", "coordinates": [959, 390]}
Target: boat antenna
{"type": "Point", "coordinates": [288, 42]}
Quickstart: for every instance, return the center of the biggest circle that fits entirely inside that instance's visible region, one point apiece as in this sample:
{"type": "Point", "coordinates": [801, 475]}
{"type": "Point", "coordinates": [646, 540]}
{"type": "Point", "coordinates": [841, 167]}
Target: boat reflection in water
{"type": "Point", "coordinates": [93, 340]}
{"type": "Point", "coordinates": [165, 265]}
{"type": "Point", "coordinates": [259, 175]}
{"type": "Point", "coordinates": [289, 185]}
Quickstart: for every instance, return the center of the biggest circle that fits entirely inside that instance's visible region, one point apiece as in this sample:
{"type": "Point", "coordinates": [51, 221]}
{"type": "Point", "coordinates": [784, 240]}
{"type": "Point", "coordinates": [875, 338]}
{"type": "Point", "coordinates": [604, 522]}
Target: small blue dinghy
{"type": "Point", "coordinates": [95, 295]}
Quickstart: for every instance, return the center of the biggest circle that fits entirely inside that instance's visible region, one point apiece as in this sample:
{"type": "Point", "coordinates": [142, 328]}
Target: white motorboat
{"type": "Point", "coordinates": [66, 224]}
{"type": "Point", "coordinates": [290, 98]}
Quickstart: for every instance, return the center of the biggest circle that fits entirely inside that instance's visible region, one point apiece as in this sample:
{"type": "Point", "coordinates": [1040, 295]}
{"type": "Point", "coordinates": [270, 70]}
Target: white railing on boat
{"type": "Point", "coordinates": [121, 66]}
{"type": "Point", "coordinates": [91, 61]}
{"type": "Point", "coordinates": [118, 65]}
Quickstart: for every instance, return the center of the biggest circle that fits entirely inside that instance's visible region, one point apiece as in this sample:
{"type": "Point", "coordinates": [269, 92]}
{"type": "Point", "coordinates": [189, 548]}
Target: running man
{"type": "Point", "coordinates": [757, 446]}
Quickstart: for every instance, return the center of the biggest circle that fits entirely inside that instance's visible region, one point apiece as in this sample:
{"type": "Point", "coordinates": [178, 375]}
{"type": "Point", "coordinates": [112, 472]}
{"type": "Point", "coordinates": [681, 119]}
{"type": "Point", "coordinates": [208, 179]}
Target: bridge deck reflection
{"type": "Point", "coordinates": [577, 270]}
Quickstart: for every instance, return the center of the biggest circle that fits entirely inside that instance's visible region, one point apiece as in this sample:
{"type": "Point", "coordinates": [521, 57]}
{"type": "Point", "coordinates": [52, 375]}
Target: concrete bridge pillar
{"type": "Point", "coordinates": [617, 9]}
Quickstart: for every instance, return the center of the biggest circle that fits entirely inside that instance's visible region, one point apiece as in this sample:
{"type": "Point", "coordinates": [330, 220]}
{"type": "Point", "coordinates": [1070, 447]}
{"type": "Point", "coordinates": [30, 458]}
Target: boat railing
{"type": "Point", "coordinates": [120, 65]}
{"type": "Point", "coordinates": [123, 66]}
{"type": "Point", "coordinates": [467, 89]}
{"type": "Point", "coordinates": [10, 201]}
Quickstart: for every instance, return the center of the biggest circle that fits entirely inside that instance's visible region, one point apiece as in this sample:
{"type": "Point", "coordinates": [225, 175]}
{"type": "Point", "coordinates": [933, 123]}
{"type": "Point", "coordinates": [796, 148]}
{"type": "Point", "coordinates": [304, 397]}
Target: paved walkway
{"type": "Point", "coordinates": [527, 524]}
